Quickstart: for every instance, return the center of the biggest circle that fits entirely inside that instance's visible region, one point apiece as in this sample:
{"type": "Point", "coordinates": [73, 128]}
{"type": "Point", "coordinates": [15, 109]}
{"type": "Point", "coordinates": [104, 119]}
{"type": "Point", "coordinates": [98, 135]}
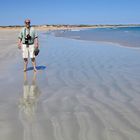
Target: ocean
{"type": "Point", "coordinates": [125, 36]}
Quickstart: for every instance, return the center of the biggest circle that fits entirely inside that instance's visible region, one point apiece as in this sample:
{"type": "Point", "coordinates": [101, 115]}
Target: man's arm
{"type": "Point", "coordinates": [19, 43]}
{"type": "Point", "coordinates": [36, 43]}
{"type": "Point", "coordinates": [20, 40]}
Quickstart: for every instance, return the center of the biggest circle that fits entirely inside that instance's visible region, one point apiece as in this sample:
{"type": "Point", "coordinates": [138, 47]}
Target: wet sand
{"type": "Point", "coordinates": [82, 91]}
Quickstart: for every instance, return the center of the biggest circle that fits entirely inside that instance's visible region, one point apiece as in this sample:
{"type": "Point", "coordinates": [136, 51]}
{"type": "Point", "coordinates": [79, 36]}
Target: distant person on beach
{"type": "Point", "coordinates": [28, 42]}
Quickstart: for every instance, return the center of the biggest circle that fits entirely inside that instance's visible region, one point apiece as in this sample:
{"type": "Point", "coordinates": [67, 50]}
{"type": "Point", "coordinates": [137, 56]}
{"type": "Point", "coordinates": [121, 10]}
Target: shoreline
{"type": "Point", "coordinates": [118, 44]}
{"type": "Point", "coordinates": [122, 38]}
{"type": "Point", "coordinates": [67, 27]}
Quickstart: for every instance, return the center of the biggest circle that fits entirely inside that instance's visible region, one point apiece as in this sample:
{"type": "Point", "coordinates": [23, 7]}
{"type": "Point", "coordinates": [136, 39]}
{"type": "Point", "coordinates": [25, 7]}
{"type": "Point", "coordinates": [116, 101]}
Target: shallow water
{"type": "Point", "coordinates": [126, 36]}
{"type": "Point", "coordinates": [87, 90]}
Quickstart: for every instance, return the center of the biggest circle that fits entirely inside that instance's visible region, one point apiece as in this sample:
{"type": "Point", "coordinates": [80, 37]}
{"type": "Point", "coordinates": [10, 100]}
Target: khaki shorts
{"type": "Point", "coordinates": [28, 50]}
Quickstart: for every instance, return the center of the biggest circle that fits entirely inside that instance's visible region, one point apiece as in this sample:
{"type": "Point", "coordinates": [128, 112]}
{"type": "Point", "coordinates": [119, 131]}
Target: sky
{"type": "Point", "coordinates": [42, 12]}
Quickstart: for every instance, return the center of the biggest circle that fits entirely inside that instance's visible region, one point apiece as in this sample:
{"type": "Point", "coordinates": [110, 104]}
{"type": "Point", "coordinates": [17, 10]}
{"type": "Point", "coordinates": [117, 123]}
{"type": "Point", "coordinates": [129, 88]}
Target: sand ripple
{"type": "Point", "coordinates": [88, 91]}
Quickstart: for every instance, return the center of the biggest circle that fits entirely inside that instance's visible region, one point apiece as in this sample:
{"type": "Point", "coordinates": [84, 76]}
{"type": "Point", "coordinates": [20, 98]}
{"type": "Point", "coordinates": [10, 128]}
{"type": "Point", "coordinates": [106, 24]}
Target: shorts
{"type": "Point", "coordinates": [28, 50]}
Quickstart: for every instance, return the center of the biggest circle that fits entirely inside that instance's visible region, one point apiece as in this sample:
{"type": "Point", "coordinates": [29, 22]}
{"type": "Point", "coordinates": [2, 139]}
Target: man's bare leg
{"type": "Point", "coordinates": [34, 64]}
{"type": "Point", "coordinates": [25, 64]}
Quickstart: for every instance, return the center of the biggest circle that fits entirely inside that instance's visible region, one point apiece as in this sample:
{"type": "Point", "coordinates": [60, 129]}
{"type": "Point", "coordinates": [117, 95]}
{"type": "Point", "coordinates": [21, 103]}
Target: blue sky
{"type": "Point", "coordinates": [13, 12]}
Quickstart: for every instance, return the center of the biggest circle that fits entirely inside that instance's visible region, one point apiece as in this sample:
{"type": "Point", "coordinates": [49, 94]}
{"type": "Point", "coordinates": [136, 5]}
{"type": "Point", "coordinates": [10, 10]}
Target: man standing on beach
{"type": "Point", "coordinates": [28, 41]}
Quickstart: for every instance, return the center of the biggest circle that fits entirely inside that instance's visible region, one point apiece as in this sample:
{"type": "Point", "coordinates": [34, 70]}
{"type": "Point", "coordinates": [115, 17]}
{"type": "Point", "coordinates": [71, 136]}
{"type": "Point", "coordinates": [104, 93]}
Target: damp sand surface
{"type": "Point", "coordinates": [82, 90]}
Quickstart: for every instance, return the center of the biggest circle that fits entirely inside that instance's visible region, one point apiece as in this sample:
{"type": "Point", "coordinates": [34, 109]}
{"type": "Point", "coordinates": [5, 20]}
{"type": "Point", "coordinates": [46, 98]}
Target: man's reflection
{"type": "Point", "coordinates": [28, 102]}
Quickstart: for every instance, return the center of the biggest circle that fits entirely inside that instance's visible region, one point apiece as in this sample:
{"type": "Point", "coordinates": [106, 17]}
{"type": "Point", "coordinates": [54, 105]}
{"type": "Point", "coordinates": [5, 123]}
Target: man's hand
{"type": "Point", "coordinates": [19, 45]}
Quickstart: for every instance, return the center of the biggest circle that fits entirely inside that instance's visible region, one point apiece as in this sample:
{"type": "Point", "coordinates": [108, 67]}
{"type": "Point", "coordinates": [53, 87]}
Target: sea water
{"type": "Point", "coordinates": [126, 36]}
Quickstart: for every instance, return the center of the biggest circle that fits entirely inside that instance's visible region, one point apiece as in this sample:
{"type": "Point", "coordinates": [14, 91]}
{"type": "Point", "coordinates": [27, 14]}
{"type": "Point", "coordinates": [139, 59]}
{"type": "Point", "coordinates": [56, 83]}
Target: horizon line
{"type": "Point", "coordinates": [39, 25]}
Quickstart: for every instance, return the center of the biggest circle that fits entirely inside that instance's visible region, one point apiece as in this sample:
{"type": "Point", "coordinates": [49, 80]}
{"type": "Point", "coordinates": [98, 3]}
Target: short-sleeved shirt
{"type": "Point", "coordinates": [23, 33]}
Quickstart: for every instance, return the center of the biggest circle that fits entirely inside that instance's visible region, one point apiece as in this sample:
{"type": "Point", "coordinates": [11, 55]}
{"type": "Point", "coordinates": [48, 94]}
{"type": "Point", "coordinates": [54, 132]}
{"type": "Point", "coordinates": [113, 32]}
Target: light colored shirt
{"type": "Point", "coordinates": [24, 32]}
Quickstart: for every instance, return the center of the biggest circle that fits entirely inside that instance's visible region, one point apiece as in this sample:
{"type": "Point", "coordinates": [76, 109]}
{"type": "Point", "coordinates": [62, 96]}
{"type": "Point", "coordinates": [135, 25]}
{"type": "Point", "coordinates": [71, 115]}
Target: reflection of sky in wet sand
{"type": "Point", "coordinates": [92, 91]}
{"type": "Point", "coordinates": [88, 91]}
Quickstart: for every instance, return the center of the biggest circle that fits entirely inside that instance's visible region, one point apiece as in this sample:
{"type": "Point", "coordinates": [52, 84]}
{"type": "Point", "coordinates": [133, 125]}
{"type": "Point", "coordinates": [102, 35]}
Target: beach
{"type": "Point", "coordinates": [83, 90]}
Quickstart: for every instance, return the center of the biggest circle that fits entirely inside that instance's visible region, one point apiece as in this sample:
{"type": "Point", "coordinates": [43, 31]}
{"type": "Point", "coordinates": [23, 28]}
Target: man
{"type": "Point", "coordinates": [28, 41]}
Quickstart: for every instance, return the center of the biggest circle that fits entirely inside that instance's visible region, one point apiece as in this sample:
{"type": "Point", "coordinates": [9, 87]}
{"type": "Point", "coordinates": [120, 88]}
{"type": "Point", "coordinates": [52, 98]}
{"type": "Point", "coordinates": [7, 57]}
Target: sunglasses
{"type": "Point", "coordinates": [27, 22]}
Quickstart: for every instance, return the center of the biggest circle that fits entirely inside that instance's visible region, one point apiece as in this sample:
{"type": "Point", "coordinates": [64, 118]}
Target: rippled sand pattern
{"type": "Point", "coordinates": [89, 91]}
